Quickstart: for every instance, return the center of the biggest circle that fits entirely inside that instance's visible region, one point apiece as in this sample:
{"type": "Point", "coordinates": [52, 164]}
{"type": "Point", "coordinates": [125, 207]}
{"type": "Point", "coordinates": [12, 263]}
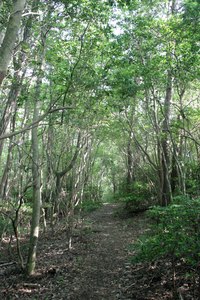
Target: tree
{"type": "Point", "coordinates": [36, 172]}
{"type": "Point", "coordinates": [8, 44]}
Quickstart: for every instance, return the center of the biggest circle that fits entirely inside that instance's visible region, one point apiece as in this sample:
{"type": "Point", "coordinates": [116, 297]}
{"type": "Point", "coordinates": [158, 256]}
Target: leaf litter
{"type": "Point", "coordinates": [98, 265]}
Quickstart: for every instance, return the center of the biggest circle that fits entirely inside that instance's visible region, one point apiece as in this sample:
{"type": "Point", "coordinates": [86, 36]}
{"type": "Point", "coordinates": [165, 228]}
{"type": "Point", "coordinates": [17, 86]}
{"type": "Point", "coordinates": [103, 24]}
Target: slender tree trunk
{"type": "Point", "coordinates": [130, 175]}
{"type": "Point", "coordinates": [165, 156]}
{"type": "Point", "coordinates": [8, 44]}
{"type": "Point", "coordinates": [178, 164]}
{"type": "Point", "coordinates": [36, 168]}
{"type": "Point", "coordinates": [11, 106]}
{"type": "Point", "coordinates": [4, 178]}
{"type": "Point", "coordinates": [31, 263]}
{"type": "Point", "coordinates": [129, 179]}
{"type": "Point", "coordinates": [82, 173]}
{"type": "Point", "coordinates": [174, 174]}
{"type": "Point", "coordinates": [60, 175]}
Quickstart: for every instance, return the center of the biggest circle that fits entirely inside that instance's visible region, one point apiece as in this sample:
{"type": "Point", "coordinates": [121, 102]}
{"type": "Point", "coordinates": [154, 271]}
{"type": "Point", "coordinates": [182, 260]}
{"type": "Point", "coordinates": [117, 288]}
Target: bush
{"type": "Point", "coordinates": [175, 232]}
{"type": "Point", "coordinates": [89, 206]}
{"type": "Point", "coordinates": [192, 179]}
{"type": "Point", "coordinates": [8, 215]}
{"type": "Point", "coordinates": [140, 199]}
{"type": "Point", "coordinates": [5, 226]}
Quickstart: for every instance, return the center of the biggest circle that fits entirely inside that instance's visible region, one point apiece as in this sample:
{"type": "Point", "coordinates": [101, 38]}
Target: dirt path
{"type": "Point", "coordinates": [93, 269]}
{"type": "Point", "coordinates": [103, 265]}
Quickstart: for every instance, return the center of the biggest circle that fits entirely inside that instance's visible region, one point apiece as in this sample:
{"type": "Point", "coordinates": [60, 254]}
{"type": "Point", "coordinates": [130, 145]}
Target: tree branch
{"type": "Point", "coordinates": [35, 123]}
{"type": "Point", "coordinates": [73, 160]}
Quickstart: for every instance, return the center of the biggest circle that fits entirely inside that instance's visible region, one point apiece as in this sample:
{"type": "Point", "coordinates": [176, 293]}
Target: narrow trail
{"type": "Point", "coordinates": [107, 256]}
{"type": "Point", "coordinates": [92, 270]}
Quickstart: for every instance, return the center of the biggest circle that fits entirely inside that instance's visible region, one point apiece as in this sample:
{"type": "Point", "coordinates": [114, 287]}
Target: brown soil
{"type": "Point", "coordinates": [97, 267]}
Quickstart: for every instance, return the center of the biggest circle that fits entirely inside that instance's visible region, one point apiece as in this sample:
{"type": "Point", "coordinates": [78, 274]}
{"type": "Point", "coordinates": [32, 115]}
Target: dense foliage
{"type": "Point", "coordinates": [174, 237]}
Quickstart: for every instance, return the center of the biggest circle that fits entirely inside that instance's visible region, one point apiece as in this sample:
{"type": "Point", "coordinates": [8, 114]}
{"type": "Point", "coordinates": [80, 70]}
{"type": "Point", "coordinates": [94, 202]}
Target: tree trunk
{"type": "Point", "coordinates": [36, 195]}
{"type": "Point", "coordinates": [8, 44]}
{"type": "Point", "coordinates": [165, 158]}
{"type": "Point", "coordinates": [60, 175]}
{"type": "Point", "coordinates": [4, 178]}
{"type": "Point", "coordinates": [11, 105]}
{"type": "Point", "coordinates": [129, 179]}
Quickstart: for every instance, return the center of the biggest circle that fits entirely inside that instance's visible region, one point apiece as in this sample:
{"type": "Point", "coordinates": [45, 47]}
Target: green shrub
{"type": "Point", "coordinates": [88, 205]}
{"type": "Point", "coordinates": [28, 196]}
{"type": "Point", "coordinates": [192, 179]}
{"type": "Point", "coordinates": [8, 215]}
{"type": "Point", "coordinates": [141, 198]}
{"type": "Point", "coordinates": [139, 190]}
{"type": "Point", "coordinates": [175, 232]}
{"type": "Point", "coordinates": [5, 226]}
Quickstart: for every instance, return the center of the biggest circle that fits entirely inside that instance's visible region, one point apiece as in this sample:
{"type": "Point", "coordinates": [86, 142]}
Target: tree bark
{"type": "Point", "coordinates": [130, 177]}
{"type": "Point", "coordinates": [36, 194]}
{"type": "Point", "coordinates": [11, 106]}
{"type": "Point", "coordinates": [8, 44]}
{"type": "Point", "coordinates": [165, 159]}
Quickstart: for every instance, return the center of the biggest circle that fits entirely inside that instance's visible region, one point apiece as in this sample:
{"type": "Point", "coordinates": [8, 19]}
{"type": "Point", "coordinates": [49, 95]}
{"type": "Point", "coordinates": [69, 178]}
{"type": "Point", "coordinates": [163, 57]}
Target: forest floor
{"type": "Point", "coordinates": [97, 267]}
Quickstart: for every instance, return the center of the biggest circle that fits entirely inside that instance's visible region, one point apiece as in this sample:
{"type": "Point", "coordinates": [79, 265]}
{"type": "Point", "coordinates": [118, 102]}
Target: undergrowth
{"type": "Point", "coordinates": [175, 235]}
{"type": "Point", "coordinates": [89, 206]}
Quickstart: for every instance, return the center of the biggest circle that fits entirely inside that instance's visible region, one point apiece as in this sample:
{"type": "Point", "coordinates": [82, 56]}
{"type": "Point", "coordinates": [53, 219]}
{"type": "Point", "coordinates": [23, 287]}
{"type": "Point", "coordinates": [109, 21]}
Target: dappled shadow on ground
{"type": "Point", "coordinates": [91, 270]}
{"type": "Point", "coordinates": [97, 267]}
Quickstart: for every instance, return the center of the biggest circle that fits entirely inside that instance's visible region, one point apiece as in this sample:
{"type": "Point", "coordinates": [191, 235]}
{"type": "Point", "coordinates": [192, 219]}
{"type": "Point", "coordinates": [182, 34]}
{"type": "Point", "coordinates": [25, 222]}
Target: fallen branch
{"type": "Point", "coordinates": [31, 285]}
{"type": "Point", "coordinates": [7, 264]}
